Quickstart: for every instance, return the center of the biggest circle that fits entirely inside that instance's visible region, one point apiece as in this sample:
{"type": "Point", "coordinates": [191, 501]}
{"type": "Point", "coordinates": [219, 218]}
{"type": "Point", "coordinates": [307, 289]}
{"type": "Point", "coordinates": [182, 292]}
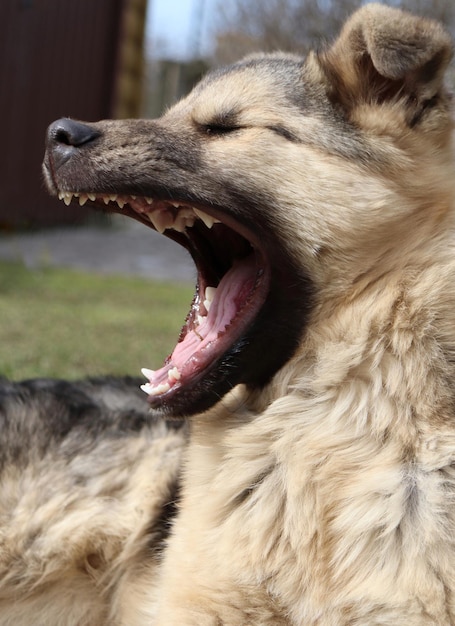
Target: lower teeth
{"type": "Point", "coordinates": [155, 391]}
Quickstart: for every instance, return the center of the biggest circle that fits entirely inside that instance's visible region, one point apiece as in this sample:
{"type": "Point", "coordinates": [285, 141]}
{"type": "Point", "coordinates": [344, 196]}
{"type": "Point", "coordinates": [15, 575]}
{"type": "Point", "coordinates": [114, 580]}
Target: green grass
{"type": "Point", "coordinates": [63, 323]}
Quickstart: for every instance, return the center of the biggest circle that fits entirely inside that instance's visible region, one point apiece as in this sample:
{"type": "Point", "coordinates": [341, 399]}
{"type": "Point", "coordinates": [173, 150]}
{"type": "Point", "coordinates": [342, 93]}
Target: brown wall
{"type": "Point", "coordinates": [57, 58]}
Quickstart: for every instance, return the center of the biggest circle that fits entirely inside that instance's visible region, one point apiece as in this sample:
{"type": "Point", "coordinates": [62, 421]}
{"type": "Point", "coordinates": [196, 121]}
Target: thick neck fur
{"type": "Point", "coordinates": [338, 483]}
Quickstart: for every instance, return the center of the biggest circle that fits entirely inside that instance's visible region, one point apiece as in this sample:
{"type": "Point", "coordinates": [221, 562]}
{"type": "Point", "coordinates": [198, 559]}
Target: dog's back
{"type": "Point", "coordinates": [88, 483]}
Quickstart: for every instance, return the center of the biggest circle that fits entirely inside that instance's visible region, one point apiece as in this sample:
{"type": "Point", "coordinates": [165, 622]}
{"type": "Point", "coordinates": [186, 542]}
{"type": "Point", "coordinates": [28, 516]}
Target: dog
{"type": "Point", "coordinates": [90, 481]}
{"type": "Point", "coordinates": [316, 366]}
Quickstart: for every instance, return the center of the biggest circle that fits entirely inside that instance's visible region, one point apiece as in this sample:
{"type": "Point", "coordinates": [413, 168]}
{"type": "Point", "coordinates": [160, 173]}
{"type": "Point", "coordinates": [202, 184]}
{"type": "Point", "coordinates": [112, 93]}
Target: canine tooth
{"type": "Point", "coordinates": [161, 220]}
{"type": "Point", "coordinates": [207, 219]}
{"type": "Point", "coordinates": [91, 196]}
{"type": "Point", "coordinates": [155, 223]}
{"type": "Point", "coordinates": [210, 293]}
{"type": "Point", "coordinates": [83, 199]}
{"type": "Point", "coordinates": [147, 372]}
{"type": "Point", "coordinates": [146, 388]}
{"type": "Point", "coordinates": [173, 374]}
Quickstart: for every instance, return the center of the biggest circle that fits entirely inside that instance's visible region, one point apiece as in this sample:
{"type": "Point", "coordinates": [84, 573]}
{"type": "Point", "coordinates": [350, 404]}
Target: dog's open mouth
{"type": "Point", "coordinates": [232, 285]}
{"type": "Point", "coordinates": [252, 297]}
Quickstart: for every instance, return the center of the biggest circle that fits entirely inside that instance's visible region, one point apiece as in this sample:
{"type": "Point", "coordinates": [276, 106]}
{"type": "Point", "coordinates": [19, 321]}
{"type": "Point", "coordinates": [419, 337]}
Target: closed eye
{"type": "Point", "coordinates": [219, 129]}
{"type": "Point", "coordinates": [222, 123]}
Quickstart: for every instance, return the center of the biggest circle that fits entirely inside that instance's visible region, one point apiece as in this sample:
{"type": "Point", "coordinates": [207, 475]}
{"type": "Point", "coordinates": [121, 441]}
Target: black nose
{"type": "Point", "coordinates": [65, 136]}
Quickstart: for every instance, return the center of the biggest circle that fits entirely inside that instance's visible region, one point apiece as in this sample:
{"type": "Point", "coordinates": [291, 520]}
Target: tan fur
{"type": "Point", "coordinates": [76, 530]}
{"type": "Point", "coordinates": [351, 449]}
{"type": "Point", "coordinates": [325, 498]}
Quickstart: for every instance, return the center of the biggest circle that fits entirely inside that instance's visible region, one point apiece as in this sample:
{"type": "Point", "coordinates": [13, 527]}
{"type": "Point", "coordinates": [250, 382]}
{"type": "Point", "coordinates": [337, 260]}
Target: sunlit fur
{"type": "Point", "coordinates": [325, 498]}
{"type": "Point", "coordinates": [328, 498]}
{"type": "Point", "coordinates": [87, 476]}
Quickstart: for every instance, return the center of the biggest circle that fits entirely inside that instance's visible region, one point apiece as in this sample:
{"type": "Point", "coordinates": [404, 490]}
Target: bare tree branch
{"type": "Point", "coordinates": [246, 26]}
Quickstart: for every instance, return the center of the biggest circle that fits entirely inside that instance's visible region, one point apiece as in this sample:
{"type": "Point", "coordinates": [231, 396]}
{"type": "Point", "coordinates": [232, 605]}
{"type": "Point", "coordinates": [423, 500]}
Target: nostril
{"type": "Point", "coordinates": [60, 136]}
{"type": "Point", "coordinates": [71, 133]}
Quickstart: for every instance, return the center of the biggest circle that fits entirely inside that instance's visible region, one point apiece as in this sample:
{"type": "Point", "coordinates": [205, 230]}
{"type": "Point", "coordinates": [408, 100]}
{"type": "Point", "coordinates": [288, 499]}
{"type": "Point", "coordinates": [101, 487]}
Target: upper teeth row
{"type": "Point", "coordinates": [185, 218]}
{"type": "Point", "coordinates": [161, 219]}
{"type": "Point", "coordinates": [67, 197]}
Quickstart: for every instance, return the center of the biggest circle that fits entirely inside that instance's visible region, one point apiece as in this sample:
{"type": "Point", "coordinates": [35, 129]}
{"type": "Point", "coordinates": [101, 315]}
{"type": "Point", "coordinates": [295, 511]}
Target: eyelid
{"type": "Point", "coordinates": [218, 128]}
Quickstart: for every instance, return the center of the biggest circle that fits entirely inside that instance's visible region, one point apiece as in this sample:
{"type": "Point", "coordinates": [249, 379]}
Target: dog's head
{"type": "Point", "coordinates": [284, 177]}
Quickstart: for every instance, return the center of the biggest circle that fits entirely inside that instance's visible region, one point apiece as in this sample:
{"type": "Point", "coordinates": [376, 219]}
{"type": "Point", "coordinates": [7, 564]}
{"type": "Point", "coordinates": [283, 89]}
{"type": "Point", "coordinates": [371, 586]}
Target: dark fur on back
{"type": "Point", "coordinates": [89, 485]}
{"type": "Point", "coordinates": [41, 415]}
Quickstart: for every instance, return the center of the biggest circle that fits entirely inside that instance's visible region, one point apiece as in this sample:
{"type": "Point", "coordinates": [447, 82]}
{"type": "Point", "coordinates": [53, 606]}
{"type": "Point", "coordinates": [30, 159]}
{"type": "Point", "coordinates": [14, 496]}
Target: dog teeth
{"type": "Point", "coordinates": [161, 220]}
{"type": "Point", "coordinates": [207, 219]}
{"type": "Point", "coordinates": [65, 196]}
{"type": "Point", "coordinates": [209, 295]}
{"type": "Point", "coordinates": [185, 219]}
{"type": "Point", "coordinates": [173, 375]}
{"type": "Point", "coordinates": [155, 391]}
{"type": "Point", "coordinates": [148, 373]}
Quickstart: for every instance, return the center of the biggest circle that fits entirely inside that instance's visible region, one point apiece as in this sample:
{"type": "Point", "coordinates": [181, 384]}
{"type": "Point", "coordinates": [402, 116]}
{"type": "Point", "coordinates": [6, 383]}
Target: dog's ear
{"type": "Point", "coordinates": [385, 54]}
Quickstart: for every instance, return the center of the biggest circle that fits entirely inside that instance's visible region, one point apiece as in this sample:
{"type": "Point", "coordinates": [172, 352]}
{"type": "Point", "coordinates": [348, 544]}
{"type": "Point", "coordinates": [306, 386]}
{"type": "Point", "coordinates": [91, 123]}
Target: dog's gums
{"type": "Point", "coordinates": [232, 284]}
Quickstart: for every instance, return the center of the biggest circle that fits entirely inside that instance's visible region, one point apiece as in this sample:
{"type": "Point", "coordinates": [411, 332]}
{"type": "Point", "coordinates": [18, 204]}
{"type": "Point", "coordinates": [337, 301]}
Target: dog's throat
{"type": "Point", "coordinates": [214, 317]}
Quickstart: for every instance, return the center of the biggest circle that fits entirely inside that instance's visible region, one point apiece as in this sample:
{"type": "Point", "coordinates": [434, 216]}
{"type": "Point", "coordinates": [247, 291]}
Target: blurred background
{"type": "Point", "coordinates": [127, 58]}
{"type": "Point", "coordinates": [94, 59]}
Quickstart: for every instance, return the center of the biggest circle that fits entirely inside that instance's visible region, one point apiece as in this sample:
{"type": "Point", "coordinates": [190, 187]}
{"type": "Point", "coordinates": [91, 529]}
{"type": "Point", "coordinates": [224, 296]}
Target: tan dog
{"type": "Point", "coordinates": [317, 362]}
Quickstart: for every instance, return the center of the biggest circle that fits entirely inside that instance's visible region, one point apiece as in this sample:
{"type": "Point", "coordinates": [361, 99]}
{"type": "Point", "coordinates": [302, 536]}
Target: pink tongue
{"type": "Point", "coordinates": [229, 298]}
{"type": "Point", "coordinates": [199, 344]}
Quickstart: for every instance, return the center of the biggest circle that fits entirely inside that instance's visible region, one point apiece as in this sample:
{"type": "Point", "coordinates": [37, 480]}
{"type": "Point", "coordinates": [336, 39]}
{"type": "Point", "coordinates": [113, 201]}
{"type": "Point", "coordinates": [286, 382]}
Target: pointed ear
{"type": "Point", "coordinates": [387, 54]}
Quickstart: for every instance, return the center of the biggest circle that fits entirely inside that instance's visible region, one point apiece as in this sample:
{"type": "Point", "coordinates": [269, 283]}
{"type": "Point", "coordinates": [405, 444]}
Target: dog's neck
{"type": "Point", "coordinates": [353, 451]}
